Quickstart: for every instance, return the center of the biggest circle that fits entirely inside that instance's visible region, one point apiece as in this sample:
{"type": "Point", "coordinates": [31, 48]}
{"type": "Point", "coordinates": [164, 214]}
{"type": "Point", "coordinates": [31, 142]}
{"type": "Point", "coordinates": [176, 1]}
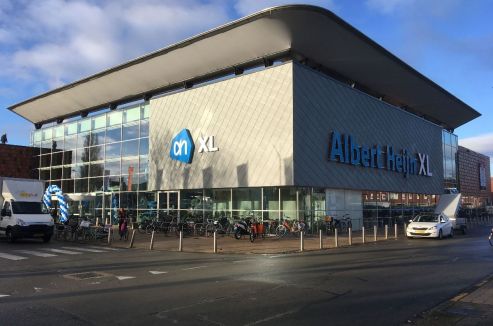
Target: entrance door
{"type": "Point", "coordinates": [169, 202]}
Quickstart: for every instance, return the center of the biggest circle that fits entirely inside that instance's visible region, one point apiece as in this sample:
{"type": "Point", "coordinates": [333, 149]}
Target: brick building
{"type": "Point", "coordinates": [473, 170]}
{"type": "Point", "coordinates": [18, 161]}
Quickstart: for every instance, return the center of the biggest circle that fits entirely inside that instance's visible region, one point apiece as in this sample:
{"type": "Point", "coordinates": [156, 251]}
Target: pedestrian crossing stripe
{"type": "Point", "coordinates": [11, 257]}
{"type": "Point", "coordinates": [36, 253]}
{"type": "Point", "coordinates": [83, 249]}
{"type": "Point", "coordinates": [61, 251]}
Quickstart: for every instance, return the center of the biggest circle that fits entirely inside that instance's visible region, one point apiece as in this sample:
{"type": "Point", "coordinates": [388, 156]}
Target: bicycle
{"type": "Point", "coordinates": [490, 238]}
{"type": "Point", "coordinates": [295, 228]}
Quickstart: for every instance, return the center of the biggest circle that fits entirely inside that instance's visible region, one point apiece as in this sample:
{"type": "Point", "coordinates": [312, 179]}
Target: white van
{"type": "Point", "coordinates": [23, 215]}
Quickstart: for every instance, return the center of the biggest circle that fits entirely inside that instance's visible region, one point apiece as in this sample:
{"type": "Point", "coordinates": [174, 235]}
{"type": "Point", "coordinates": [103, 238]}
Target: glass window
{"type": "Point", "coordinates": [130, 131]}
{"type": "Point", "coordinates": [57, 158]}
{"type": "Point", "coordinates": [67, 172]}
{"type": "Point", "coordinates": [143, 178]}
{"type": "Point", "coordinates": [69, 157]}
{"type": "Point", "coordinates": [113, 135]}
{"type": "Point", "coordinates": [144, 146]}
{"type": "Point", "coordinates": [130, 148]}
{"type": "Point", "coordinates": [81, 171]}
{"type": "Point", "coordinates": [288, 202]}
{"type": "Point", "coordinates": [82, 155]}
{"type": "Point", "coordinates": [96, 170]}
{"type": "Point", "coordinates": [37, 136]}
{"type": "Point", "coordinates": [56, 173]}
{"type": "Point", "coordinates": [114, 118]}
{"type": "Point", "coordinates": [132, 114]}
{"type": "Point", "coordinates": [112, 167]}
{"type": "Point", "coordinates": [81, 185]}
{"type": "Point", "coordinates": [47, 133]}
{"type": "Point", "coordinates": [221, 201]}
{"type": "Point", "coordinates": [44, 174]}
{"type": "Point", "coordinates": [246, 200]}
{"type": "Point", "coordinates": [99, 122]}
{"type": "Point", "coordinates": [145, 111]}
{"type": "Point", "coordinates": [57, 145]}
{"type": "Point", "coordinates": [83, 140]}
{"type": "Point", "coordinates": [71, 128]}
{"type": "Point", "coordinates": [97, 137]}
{"type": "Point", "coordinates": [58, 132]}
{"type": "Point", "coordinates": [112, 183]}
{"type": "Point", "coordinates": [113, 151]}
{"type": "Point", "coordinates": [144, 164]}
{"type": "Point", "coordinates": [129, 182]}
{"type": "Point", "coordinates": [84, 125]}
{"type": "Point", "coordinates": [128, 200]}
{"type": "Point", "coordinates": [71, 142]}
{"type": "Point", "coordinates": [95, 184]}
{"type": "Point", "coordinates": [96, 153]}
{"type": "Point", "coordinates": [45, 161]}
{"type": "Point", "coordinates": [130, 166]}
{"type": "Point", "coordinates": [147, 200]}
{"type": "Point", "coordinates": [68, 186]}
{"type": "Point", "coordinates": [144, 128]}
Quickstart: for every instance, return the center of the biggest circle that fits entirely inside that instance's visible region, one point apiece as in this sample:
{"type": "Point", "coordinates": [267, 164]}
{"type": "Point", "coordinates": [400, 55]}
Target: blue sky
{"type": "Point", "coordinates": [45, 44]}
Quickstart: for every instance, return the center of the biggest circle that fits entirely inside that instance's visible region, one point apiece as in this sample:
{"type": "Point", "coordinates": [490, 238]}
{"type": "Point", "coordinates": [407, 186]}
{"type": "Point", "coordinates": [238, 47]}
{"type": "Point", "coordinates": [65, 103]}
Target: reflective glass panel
{"type": "Point", "coordinates": [97, 137]}
{"type": "Point", "coordinates": [113, 135]}
{"type": "Point", "coordinates": [83, 140]}
{"type": "Point", "coordinates": [114, 118]}
{"type": "Point", "coordinates": [99, 122]}
{"type": "Point", "coordinates": [71, 128]}
{"type": "Point", "coordinates": [96, 169]}
{"type": "Point", "coordinates": [112, 167]}
{"type": "Point", "coordinates": [130, 131]}
{"type": "Point", "coordinates": [130, 148]}
{"type": "Point", "coordinates": [113, 151]}
{"type": "Point", "coordinates": [96, 153]}
{"type": "Point", "coordinates": [132, 114]}
{"type": "Point", "coordinates": [144, 128]}
{"type": "Point", "coordinates": [130, 166]}
{"type": "Point", "coordinates": [129, 182]}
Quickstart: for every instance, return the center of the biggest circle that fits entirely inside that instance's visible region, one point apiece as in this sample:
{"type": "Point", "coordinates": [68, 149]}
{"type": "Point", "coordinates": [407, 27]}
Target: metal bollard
{"type": "Point", "coordinates": [321, 244]}
{"type": "Point", "coordinates": [405, 229]}
{"type": "Point", "coordinates": [302, 242]}
{"type": "Point", "coordinates": [215, 243]}
{"type": "Point", "coordinates": [386, 232]}
{"type": "Point", "coordinates": [180, 243]}
{"type": "Point", "coordinates": [395, 231]}
{"type": "Point", "coordinates": [362, 234]}
{"type": "Point", "coordinates": [350, 236]}
{"type": "Point", "coordinates": [151, 245]}
{"type": "Point", "coordinates": [375, 233]}
{"type": "Point", "coordinates": [107, 221]}
{"type": "Point", "coordinates": [336, 239]}
{"type": "Point", "coordinates": [132, 240]}
{"type": "Point", "coordinates": [110, 231]}
{"type": "Point", "coordinates": [97, 221]}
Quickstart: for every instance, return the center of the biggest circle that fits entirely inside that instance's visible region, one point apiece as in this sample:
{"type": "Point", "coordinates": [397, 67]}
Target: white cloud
{"type": "Point", "coordinates": [482, 144]}
{"type": "Point", "coordinates": [246, 7]}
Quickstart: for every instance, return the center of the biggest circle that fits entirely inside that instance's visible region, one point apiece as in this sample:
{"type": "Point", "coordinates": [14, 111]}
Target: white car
{"type": "Point", "coordinates": [430, 226]}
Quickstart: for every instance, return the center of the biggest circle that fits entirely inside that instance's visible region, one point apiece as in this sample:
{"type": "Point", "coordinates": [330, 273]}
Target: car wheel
{"type": "Point", "coordinates": [452, 233]}
{"type": "Point", "coordinates": [440, 235]}
{"type": "Point", "coordinates": [46, 238]}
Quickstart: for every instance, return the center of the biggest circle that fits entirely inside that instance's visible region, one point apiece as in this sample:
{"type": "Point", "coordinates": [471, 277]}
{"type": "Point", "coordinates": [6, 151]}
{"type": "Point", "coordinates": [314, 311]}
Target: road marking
{"type": "Point", "coordinates": [240, 261]}
{"type": "Point", "coordinates": [60, 251]}
{"type": "Point", "coordinates": [4, 295]}
{"type": "Point", "coordinates": [83, 249]}
{"type": "Point", "coordinates": [190, 268]}
{"type": "Point", "coordinates": [121, 278]}
{"type": "Point", "coordinates": [11, 257]}
{"type": "Point", "coordinates": [157, 272]}
{"type": "Point", "coordinates": [37, 253]}
{"type": "Point", "coordinates": [276, 256]}
{"type": "Point", "coordinates": [104, 248]}
{"type": "Point", "coordinates": [459, 297]}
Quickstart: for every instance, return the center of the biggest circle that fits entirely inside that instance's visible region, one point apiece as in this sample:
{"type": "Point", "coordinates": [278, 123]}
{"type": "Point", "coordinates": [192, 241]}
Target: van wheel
{"type": "Point", "coordinates": [452, 233]}
{"type": "Point", "coordinates": [440, 235]}
{"type": "Point", "coordinates": [46, 238]}
{"type": "Point", "coordinates": [10, 236]}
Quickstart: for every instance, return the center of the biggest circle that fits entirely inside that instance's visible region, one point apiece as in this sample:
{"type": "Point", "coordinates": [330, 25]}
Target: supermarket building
{"type": "Point", "coordinates": [287, 113]}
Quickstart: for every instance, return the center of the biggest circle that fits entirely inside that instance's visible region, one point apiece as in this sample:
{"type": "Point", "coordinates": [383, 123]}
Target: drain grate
{"type": "Point", "coordinates": [86, 275]}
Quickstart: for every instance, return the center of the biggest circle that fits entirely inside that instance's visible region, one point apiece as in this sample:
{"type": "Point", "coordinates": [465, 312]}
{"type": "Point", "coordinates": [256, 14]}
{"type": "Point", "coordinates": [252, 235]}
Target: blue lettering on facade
{"type": "Point", "coordinates": [345, 149]}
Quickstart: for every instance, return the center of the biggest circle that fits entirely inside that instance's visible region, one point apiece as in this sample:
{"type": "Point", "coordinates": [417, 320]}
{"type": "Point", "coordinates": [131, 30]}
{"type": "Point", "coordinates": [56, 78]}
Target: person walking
{"type": "Point", "coordinates": [122, 224]}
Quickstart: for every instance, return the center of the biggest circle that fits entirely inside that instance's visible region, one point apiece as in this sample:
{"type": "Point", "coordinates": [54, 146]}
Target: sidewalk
{"type": "Point", "coordinates": [472, 307]}
{"type": "Point", "coordinates": [228, 244]}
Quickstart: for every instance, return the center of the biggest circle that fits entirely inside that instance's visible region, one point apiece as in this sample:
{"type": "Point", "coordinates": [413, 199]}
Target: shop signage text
{"type": "Point", "coordinates": [345, 149]}
{"type": "Point", "coordinates": [182, 146]}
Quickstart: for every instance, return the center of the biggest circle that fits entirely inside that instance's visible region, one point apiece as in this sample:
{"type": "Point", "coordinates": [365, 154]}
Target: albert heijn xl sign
{"type": "Point", "coordinates": [183, 146]}
{"type": "Point", "coordinates": [344, 148]}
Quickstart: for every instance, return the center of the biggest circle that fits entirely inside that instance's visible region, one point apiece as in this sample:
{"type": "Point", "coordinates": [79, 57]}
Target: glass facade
{"type": "Point", "coordinates": [104, 156]}
{"type": "Point", "coordinates": [449, 147]}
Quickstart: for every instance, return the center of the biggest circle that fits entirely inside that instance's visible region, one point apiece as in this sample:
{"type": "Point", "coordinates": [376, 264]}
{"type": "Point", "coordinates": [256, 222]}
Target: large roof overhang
{"type": "Point", "coordinates": [309, 31]}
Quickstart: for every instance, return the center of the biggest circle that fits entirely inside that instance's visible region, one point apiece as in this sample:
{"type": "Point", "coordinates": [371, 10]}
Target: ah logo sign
{"type": "Point", "coordinates": [182, 147]}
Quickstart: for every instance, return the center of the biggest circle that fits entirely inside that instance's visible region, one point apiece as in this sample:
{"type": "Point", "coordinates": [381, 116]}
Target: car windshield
{"type": "Point", "coordinates": [426, 218]}
{"type": "Point", "coordinates": [28, 207]}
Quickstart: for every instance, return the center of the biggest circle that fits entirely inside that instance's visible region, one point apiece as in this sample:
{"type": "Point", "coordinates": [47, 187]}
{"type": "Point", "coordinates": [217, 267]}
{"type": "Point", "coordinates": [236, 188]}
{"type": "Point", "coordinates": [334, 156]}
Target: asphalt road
{"type": "Point", "coordinates": [387, 283]}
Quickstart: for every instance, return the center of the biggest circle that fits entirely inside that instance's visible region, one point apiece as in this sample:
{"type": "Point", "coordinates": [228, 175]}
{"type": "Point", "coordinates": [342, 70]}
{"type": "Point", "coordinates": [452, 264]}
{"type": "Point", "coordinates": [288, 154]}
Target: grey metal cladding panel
{"type": "Point", "coordinates": [322, 105]}
{"type": "Point", "coordinates": [251, 117]}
